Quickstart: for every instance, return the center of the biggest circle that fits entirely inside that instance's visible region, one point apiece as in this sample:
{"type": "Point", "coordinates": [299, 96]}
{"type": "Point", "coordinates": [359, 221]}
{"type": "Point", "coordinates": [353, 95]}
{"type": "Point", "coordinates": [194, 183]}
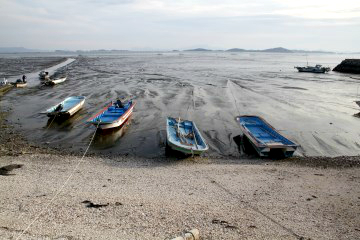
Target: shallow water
{"type": "Point", "coordinates": [314, 110]}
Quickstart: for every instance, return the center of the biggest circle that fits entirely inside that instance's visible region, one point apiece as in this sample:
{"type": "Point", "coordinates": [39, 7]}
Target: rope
{"type": "Point", "coordinates": [61, 188]}
{"type": "Point", "coordinates": [234, 100]}
{"type": "Point", "coordinates": [50, 123]}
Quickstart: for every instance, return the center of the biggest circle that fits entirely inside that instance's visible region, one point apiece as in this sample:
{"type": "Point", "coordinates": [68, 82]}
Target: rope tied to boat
{"type": "Point", "coordinates": [51, 122]}
{"type": "Point", "coordinates": [62, 187]}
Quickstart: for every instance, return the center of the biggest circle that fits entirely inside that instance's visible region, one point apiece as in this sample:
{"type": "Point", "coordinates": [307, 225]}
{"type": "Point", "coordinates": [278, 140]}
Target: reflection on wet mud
{"type": "Point", "coordinates": [107, 138]}
{"type": "Point", "coordinates": [65, 123]}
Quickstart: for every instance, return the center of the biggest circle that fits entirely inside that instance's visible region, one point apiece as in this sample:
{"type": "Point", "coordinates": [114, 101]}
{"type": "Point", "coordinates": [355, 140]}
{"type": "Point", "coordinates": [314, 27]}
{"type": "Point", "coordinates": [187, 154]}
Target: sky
{"type": "Point", "coordinates": [180, 24]}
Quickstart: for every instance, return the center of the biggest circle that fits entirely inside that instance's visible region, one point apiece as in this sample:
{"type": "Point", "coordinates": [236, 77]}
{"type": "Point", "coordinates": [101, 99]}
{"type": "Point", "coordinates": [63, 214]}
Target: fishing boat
{"type": "Point", "coordinates": [113, 115]}
{"type": "Point", "coordinates": [264, 138]}
{"type": "Point", "coordinates": [43, 75]}
{"type": "Point", "coordinates": [317, 69]}
{"type": "Point", "coordinates": [184, 136]}
{"type": "Point", "coordinates": [66, 108]}
{"type": "Point", "coordinates": [19, 83]}
{"type": "Point", "coordinates": [52, 82]}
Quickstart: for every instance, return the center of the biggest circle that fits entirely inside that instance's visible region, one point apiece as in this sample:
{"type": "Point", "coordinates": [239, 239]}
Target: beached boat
{"type": "Point", "coordinates": [317, 69]}
{"type": "Point", "coordinates": [51, 82]}
{"type": "Point", "coordinates": [20, 84]}
{"type": "Point", "coordinates": [66, 108]}
{"type": "Point", "coordinates": [43, 75]}
{"type": "Point", "coordinates": [263, 137]}
{"type": "Point", "coordinates": [112, 115]}
{"type": "Point", "coordinates": [184, 136]}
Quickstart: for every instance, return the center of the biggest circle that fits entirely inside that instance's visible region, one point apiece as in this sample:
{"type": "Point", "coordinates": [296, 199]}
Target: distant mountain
{"type": "Point", "coordinates": [272, 50]}
{"type": "Point", "coordinates": [277, 50]}
{"type": "Point", "coordinates": [18, 50]}
{"type": "Point", "coordinates": [305, 51]}
{"type": "Point", "coordinates": [91, 51]}
{"type": "Point", "coordinates": [198, 50]}
{"type": "Point", "coordinates": [236, 50]}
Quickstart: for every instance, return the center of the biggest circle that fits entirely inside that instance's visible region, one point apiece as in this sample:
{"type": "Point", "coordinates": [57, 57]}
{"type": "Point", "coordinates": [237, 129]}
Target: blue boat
{"type": "Point", "coordinates": [184, 136]}
{"type": "Point", "coordinates": [112, 115]}
{"type": "Point", "coordinates": [263, 137]}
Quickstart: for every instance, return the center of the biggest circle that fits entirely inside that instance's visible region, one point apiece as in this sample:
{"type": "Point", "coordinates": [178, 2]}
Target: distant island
{"type": "Point", "coordinates": [18, 50]}
{"type": "Point", "coordinates": [197, 50]}
{"type": "Point", "coordinates": [269, 50]}
{"type": "Point", "coordinates": [105, 51]}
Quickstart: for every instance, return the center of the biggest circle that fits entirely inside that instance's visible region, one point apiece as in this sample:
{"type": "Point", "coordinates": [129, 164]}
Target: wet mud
{"type": "Point", "coordinates": [314, 110]}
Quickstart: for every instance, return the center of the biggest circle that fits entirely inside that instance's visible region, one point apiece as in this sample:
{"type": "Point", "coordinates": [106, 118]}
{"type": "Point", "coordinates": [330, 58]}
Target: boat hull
{"type": "Point", "coordinates": [184, 150]}
{"type": "Point", "coordinates": [55, 81]}
{"type": "Point", "coordinates": [316, 69]}
{"type": "Point", "coordinates": [264, 138]}
{"type": "Point", "coordinates": [20, 85]}
{"type": "Point", "coordinates": [311, 71]}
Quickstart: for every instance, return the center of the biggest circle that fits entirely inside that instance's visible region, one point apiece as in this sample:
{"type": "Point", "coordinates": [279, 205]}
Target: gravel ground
{"type": "Point", "coordinates": [127, 198]}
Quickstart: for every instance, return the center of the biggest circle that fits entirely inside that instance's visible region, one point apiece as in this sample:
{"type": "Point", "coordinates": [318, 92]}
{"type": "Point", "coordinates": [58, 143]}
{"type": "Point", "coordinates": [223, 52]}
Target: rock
{"type": "Point", "coordinates": [348, 66]}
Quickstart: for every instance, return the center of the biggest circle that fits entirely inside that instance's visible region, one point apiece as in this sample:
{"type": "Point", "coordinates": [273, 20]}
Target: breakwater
{"type": "Point", "coordinates": [348, 66]}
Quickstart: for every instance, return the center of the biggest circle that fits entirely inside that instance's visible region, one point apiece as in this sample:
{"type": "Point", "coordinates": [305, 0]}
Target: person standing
{"type": "Point", "coordinates": [24, 78]}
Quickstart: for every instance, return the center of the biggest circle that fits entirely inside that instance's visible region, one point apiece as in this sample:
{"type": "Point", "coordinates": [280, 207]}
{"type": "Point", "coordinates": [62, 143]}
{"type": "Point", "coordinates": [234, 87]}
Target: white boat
{"type": "Point", "coordinates": [317, 69]}
{"type": "Point", "coordinates": [20, 85]}
{"type": "Point", "coordinates": [51, 82]}
{"type": "Point", "coordinates": [66, 108]}
{"type": "Point", "coordinates": [184, 136]}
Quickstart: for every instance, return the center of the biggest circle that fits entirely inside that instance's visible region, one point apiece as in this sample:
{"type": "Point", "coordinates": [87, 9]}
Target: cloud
{"type": "Point", "coordinates": [166, 23]}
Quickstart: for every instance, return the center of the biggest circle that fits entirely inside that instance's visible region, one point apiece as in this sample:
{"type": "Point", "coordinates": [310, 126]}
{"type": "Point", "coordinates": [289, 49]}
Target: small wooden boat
{"type": "Point", "coordinates": [20, 84]}
{"type": "Point", "coordinates": [184, 136]}
{"type": "Point", "coordinates": [66, 108]}
{"type": "Point", "coordinates": [263, 137]}
{"type": "Point", "coordinates": [52, 82]}
{"type": "Point", "coordinates": [112, 115]}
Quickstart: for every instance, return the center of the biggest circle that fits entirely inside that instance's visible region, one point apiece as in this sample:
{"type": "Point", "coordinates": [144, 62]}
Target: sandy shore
{"type": "Point", "coordinates": [160, 198]}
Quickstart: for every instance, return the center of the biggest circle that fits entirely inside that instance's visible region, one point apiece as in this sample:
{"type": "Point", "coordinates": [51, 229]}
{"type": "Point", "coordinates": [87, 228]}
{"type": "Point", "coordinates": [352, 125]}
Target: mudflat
{"type": "Point", "coordinates": [315, 111]}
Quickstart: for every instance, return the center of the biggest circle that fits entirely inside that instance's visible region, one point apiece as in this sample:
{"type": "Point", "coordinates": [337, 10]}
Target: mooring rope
{"type": "Point", "coordinates": [50, 123]}
{"type": "Point", "coordinates": [234, 100]}
{"type": "Point", "coordinates": [62, 187]}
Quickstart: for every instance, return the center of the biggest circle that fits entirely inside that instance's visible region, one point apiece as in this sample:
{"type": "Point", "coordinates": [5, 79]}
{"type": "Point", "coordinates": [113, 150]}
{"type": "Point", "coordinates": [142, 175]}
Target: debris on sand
{"type": "Point", "coordinates": [90, 204]}
{"type": "Point", "coordinates": [4, 171]}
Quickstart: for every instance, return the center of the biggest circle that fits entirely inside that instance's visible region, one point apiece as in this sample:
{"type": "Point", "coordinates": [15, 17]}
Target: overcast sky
{"type": "Point", "coordinates": [180, 24]}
